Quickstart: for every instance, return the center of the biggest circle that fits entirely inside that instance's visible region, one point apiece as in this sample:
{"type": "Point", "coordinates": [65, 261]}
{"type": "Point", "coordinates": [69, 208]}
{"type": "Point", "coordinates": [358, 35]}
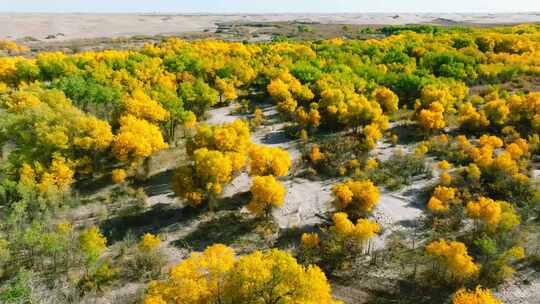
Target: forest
{"type": "Point", "coordinates": [448, 117]}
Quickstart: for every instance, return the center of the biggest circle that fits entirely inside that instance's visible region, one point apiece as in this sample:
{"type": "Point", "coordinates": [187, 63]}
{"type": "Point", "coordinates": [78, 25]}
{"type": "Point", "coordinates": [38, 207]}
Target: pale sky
{"type": "Point", "coordinates": [269, 6]}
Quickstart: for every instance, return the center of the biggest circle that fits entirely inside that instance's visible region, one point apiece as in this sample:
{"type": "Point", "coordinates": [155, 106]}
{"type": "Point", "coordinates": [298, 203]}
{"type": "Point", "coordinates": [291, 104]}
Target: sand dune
{"type": "Point", "coordinates": [77, 26]}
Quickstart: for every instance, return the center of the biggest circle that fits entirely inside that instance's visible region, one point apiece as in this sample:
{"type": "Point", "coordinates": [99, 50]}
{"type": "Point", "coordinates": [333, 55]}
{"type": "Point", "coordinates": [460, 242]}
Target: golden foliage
{"type": "Point", "coordinates": [441, 199]}
{"type": "Point", "coordinates": [92, 242]}
{"type": "Point", "coordinates": [269, 161]}
{"type": "Point", "coordinates": [315, 154]}
{"type": "Point", "coordinates": [216, 276]}
{"type": "Point", "coordinates": [432, 118]}
{"type": "Point", "coordinates": [137, 138]}
{"type": "Point", "coordinates": [361, 232]}
{"type": "Point", "coordinates": [118, 176]}
{"type": "Point", "coordinates": [12, 46]}
{"type": "Point", "coordinates": [266, 192]}
{"type": "Point", "coordinates": [493, 213]}
{"type": "Point", "coordinates": [453, 259]}
{"type": "Point", "coordinates": [142, 106]}
{"type": "Point", "coordinates": [357, 196]}
{"type": "Point", "coordinates": [477, 296]}
{"type": "Point", "coordinates": [388, 99]}
{"type": "Point", "coordinates": [230, 137]}
{"type": "Point", "coordinates": [310, 240]}
{"type": "Point", "coordinates": [149, 242]}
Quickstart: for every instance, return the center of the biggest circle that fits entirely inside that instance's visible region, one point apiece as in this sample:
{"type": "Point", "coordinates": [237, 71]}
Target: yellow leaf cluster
{"type": "Point", "coordinates": [454, 259]}
{"type": "Point", "coordinates": [149, 243]}
{"type": "Point", "coordinates": [310, 240]}
{"type": "Point", "coordinates": [441, 199]}
{"type": "Point", "coordinates": [92, 242]}
{"type": "Point", "coordinates": [315, 154]}
{"type": "Point", "coordinates": [493, 213]}
{"type": "Point", "coordinates": [215, 276]}
{"type": "Point", "coordinates": [472, 119]}
{"type": "Point", "coordinates": [477, 296]}
{"type": "Point", "coordinates": [432, 118]}
{"type": "Point", "coordinates": [371, 163]}
{"type": "Point", "coordinates": [137, 138]}
{"type": "Point", "coordinates": [357, 196]}
{"type": "Point", "coordinates": [118, 176]}
{"type": "Point", "coordinates": [226, 89]}
{"type": "Point", "coordinates": [388, 99]}
{"type": "Point", "coordinates": [269, 161]}
{"type": "Point", "coordinates": [230, 137]}
{"type": "Point", "coordinates": [57, 178]}
{"type": "Point", "coordinates": [142, 106]}
{"type": "Point", "coordinates": [361, 232]}
{"type": "Point", "coordinates": [266, 192]}
{"type": "Point", "coordinates": [12, 46]}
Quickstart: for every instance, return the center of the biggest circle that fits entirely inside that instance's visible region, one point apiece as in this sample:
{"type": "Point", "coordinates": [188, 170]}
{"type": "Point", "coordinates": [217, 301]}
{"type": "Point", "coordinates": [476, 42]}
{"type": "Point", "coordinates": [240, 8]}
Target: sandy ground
{"type": "Point", "coordinates": [520, 292]}
{"type": "Point", "coordinates": [77, 26]}
{"type": "Point", "coordinates": [307, 202]}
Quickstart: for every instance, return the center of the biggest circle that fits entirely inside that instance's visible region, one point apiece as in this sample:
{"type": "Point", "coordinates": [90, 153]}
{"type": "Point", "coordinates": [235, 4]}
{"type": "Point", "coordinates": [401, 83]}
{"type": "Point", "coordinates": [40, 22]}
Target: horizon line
{"type": "Point", "coordinates": [270, 13]}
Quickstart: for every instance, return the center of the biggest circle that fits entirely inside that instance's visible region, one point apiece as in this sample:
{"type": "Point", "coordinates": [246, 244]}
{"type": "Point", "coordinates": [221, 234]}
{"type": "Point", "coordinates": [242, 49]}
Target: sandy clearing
{"type": "Point", "coordinates": [515, 292]}
{"type": "Point", "coordinates": [394, 213]}
{"type": "Point", "coordinates": [306, 202]}
{"type": "Point", "coordinates": [78, 26]}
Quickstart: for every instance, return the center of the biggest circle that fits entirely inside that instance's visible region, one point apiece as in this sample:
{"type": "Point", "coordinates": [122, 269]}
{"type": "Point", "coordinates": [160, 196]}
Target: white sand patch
{"type": "Point", "coordinates": [77, 26]}
{"type": "Point", "coordinates": [306, 203]}
{"type": "Point", "coordinates": [514, 292]}
{"type": "Point", "coordinates": [239, 184]}
{"type": "Point", "coordinates": [393, 213]}
{"type": "Point", "coordinates": [223, 115]}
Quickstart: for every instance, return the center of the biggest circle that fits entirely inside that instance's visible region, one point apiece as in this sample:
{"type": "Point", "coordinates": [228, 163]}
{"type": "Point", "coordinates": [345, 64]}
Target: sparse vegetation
{"type": "Point", "coordinates": [412, 155]}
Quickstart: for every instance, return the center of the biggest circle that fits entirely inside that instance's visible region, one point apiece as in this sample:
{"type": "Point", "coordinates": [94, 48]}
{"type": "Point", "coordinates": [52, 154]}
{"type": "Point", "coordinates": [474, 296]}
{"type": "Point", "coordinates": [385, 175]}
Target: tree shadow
{"type": "Point", "coordinates": [157, 184]}
{"type": "Point", "coordinates": [235, 202]}
{"type": "Point", "coordinates": [408, 223]}
{"type": "Point", "coordinates": [277, 137]}
{"type": "Point", "coordinates": [288, 237]}
{"type": "Point", "coordinates": [225, 230]}
{"type": "Point", "coordinates": [91, 186]}
{"type": "Point", "coordinates": [408, 292]}
{"type": "Point", "coordinates": [152, 220]}
{"type": "Point", "coordinates": [407, 133]}
{"type": "Point", "coordinates": [416, 196]}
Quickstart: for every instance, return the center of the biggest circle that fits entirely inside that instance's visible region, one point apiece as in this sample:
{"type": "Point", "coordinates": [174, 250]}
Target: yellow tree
{"type": "Point", "coordinates": [493, 214]}
{"type": "Point", "coordinates": [137, 139]}
{"type": "Point", "coordinates": [356, 197]}
{"type": "Point", "coordinates": [142, 106]}
{"type": "Point", "coordinates": [453, 260]}
{"type": "Point", "coordinates": [230, 137]}
{"type": "Point", "coordinates": [433, 117]}
{"type": "Point", "coordinates": [215, 276]}
{"type": "Point", "coordinates": [149, 243]}
{"type": "Point", "coordinates": [359, 233]}
{"type": "Point", "coordinates": [279, 279]}
{"type": "Point", "coordinates": [226, 90]}
{"type": "Point", "coordinates": [477, 296]}
{"type": "Point", "coordinates": [92, 243]}
{"type": "Point", "coordinates": [266, 192]}
{"type": "Point", "coordinates": [386, 98]}
{"type": "Point", "coordinates": [203, 180]}
{"type": "Point", "coordinates": [441, 199]}
{"type": "Point", "coordinates": [269, 161]}
{"type": "Point", "coordinates": [199, 279]}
